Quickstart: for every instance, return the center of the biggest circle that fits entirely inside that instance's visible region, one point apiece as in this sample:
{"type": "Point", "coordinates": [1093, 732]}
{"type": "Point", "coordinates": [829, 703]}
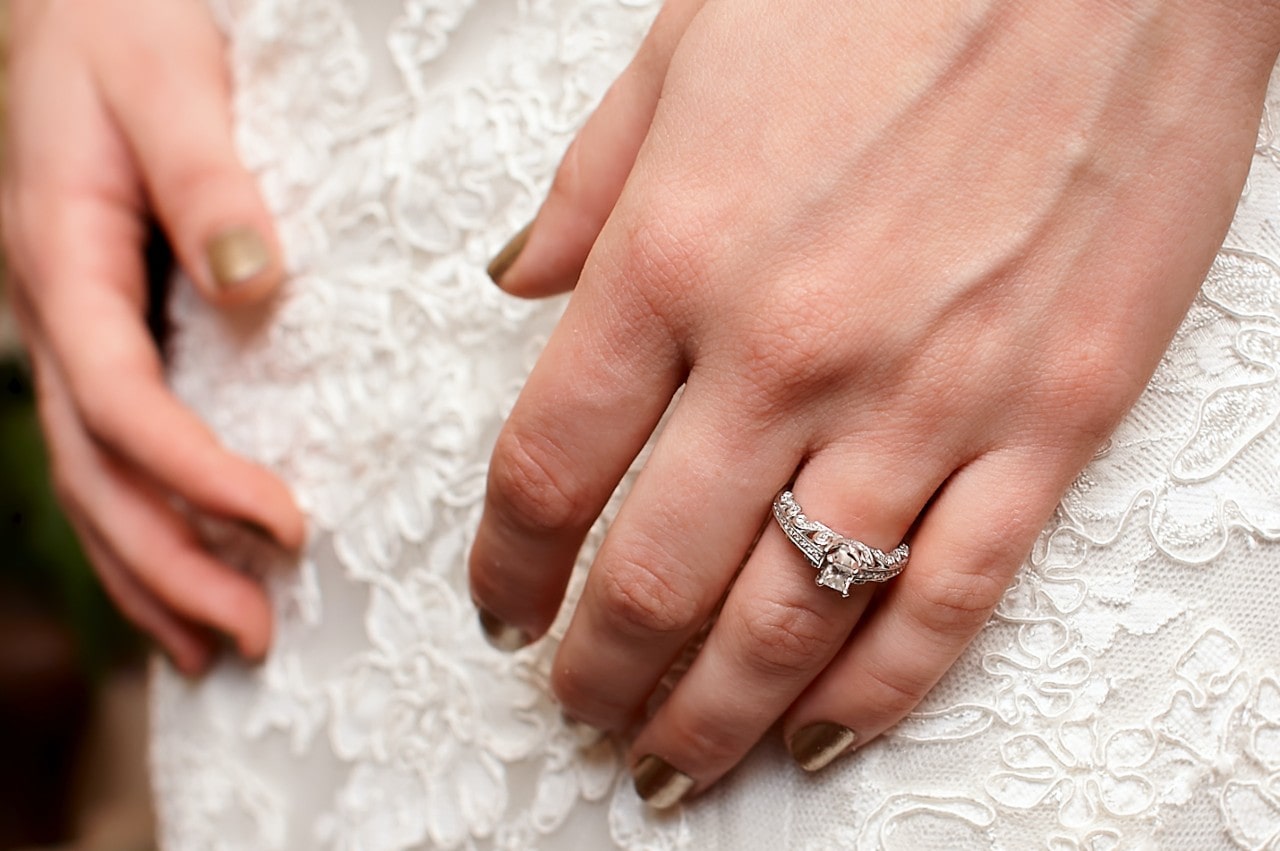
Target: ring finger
{"type": "Point", "coordinates": [777, 631]}
{"type": "Point", "coordinates": [930, 615]}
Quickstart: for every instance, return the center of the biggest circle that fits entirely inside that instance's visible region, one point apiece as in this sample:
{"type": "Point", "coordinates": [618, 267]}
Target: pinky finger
{"type": "Point", "coordinates": [965, 553]}
{"type": "Point", "coordinates": [189, 647]}
{"type": "Point", "coordinates": [137, 525]}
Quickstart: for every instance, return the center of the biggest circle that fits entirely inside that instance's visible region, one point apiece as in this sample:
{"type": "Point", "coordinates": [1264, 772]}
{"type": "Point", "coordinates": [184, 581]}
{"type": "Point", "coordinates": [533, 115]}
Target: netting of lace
{"type": "Point", "coordinates": [1125, 695]}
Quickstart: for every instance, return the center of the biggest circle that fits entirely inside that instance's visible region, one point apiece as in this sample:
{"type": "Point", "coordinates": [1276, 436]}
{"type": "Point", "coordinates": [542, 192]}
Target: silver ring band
{"type": "Point", "coordinates": [841, 562]}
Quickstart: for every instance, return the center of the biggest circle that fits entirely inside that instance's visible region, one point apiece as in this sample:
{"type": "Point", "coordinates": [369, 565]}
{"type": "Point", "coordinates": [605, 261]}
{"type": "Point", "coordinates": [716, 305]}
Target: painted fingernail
{"type": "Point", "coordinates": [507, 256]}
{"type": "Point", "coordinates": [501, 634]}
{"type": "Point", "coordinates": [584, 735]}
{"type": "Point", "coordinates": [659, 783]}
{"type": "Point", "coordinates": [816, 745]}
{"type": "Point", "coordinates": [235, 256]}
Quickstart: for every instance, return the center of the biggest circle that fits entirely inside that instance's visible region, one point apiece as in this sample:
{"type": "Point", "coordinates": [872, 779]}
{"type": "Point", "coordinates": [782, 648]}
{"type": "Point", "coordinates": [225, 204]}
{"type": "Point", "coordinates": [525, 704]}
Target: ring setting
{"type": "Point", "coordinates": [841, 562]}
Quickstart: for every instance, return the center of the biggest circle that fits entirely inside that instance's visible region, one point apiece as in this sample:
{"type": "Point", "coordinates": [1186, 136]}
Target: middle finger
{"type": "Point", "coordinates": [666, 561]}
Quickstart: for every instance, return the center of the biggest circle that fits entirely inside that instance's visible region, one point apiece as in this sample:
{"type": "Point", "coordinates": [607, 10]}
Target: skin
{"type": "Point", "coordinates": [921, 263]}
{"type": "Point", "coordinates": [91, 154]}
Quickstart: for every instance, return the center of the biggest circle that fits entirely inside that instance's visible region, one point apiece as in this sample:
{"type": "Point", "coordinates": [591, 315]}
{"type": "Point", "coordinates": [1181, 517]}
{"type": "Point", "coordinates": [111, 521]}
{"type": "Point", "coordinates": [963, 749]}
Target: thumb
{"type": "Point", "coordinates": [166, 84]}
{"type": "Point", "coordinates": [547, 256]}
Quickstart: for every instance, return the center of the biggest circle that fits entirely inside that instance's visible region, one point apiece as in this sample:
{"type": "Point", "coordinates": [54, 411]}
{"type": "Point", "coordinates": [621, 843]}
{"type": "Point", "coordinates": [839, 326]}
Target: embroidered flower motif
{"type": "Point", "coordinates": [1083, 776]}
{"type": "Point", "coordinates": [1041, 674]}
{"type": "Point", "coordinates": [1050, 585]}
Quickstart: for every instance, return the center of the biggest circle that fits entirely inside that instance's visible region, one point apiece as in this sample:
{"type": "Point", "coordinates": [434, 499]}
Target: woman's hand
{"type": "Point", "coordinates": [922, 258]}
{"type": "Point", "coordinates": [118, 111]}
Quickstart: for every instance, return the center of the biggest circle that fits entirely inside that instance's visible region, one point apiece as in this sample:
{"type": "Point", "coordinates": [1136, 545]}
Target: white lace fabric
{"type": "Point", "coordinates": [1125, 695]}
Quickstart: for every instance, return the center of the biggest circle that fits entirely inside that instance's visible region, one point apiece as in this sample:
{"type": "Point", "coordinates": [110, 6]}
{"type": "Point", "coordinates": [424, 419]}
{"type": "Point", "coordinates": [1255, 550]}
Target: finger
{"type": "Point", "coordinates": [668, 557]}
{"type": "Point", "coordinates": [88, 260]}
{"type": "Point", "coordinates": [548, 255]}
{"type": "Point", "coordinates": [778, 629]}
{"type": "Point", "coordinates": [74, 234]}
{"type": "Point", "coordinates": [136, 526]}
{"type": "Point", "coordinates": [209, 204]}
{"type": "Point", "coordinates": [189, 647]}
{"type": "Point", "coordinates": [584, 414]}
{"type": "Point", "coordinates": [964, 555]}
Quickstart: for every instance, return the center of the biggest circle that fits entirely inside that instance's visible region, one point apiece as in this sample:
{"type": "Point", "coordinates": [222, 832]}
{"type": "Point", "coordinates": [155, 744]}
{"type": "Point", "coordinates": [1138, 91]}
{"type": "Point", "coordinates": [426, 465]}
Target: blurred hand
{"type": "Point", "coordinates": [119, 112]}
{"type": "Point", "coordinates": [921, 261]}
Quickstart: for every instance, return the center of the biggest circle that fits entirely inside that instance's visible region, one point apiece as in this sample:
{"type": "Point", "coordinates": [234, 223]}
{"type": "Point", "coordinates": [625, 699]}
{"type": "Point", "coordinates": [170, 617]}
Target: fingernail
{"type": "Point", "coordinates": [507, 256]}
{"type": "Point", "coordinates": [583, 733]}
{"type": "Point", "coordinates": [501, 634]}
{"type": "Point", "coordinates": [660, 784]}
{"type": "Point", "coordinates": [235, 256]}
{"type": "Point", "coordinates": [816, 745]}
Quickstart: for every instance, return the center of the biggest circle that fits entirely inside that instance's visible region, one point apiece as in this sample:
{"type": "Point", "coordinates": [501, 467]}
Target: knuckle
{"type": "Point", "coordinates": [958, 604]}
{"type": "Point", "coordinates": [663, 258]}
{"type": "Point", "coordinates": [530, 485]}
{"type": "Point", "coordinates": [581, 694]}
{"type": "Point", "coordinates": [1093, 394]}
{"type": "Point", "coordinates": [198, 177]}
{"type": "Point", "coordinates": [640, 597]}
{"type": "Point", "coordinates": [786, 356]}
{"type": "Point", "coordinates": [782, 368]}
{"type": "Point", "coordinates": [99, 409]}
{"type": "Point", "coordinates": [780, 637]}
{"type": "Point", "coordinates": [706, 740]}
{"type": "Point", "coordinates": [894, 691]}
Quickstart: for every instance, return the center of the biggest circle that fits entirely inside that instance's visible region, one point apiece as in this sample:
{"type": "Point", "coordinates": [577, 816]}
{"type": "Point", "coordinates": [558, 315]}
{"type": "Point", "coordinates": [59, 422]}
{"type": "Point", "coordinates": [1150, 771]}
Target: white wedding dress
{"type": "Point", "coordinates": [1125, 695]}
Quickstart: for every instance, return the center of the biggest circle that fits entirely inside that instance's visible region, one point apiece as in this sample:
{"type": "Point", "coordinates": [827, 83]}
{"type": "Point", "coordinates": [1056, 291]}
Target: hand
{"type": "Point", "coordinates": [120, 110]}
{"type": "Point", "coordinates": [921, 262]}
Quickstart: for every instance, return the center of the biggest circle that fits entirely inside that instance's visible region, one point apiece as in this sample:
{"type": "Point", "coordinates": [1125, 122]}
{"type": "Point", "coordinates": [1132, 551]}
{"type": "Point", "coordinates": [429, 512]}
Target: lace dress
{"type": "Point", "coordinates": [1126, 694]}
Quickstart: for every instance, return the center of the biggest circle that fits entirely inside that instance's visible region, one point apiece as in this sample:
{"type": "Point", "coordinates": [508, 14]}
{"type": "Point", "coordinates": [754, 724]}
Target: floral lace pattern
{"type": "Point", "coordinates": [1126, 694]}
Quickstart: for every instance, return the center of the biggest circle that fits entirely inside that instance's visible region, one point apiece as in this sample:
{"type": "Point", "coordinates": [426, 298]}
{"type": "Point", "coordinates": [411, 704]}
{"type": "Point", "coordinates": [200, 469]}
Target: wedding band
{"type": "Point", "coordinates": [841, 562]}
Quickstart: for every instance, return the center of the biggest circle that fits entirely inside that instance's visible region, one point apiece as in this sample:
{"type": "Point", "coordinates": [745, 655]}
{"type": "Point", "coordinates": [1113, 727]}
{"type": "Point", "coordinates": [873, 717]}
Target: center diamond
{"type": "Point", "coordinates": [836, 577]}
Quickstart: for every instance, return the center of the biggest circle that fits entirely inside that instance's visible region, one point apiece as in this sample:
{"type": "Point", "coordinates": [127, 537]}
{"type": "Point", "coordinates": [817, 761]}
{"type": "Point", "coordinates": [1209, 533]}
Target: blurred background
{"type": "Point", "coordinates": [72, 679]}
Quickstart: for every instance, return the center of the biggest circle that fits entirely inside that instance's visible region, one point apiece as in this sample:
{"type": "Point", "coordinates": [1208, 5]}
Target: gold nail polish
{"type": "Point", "coordinates": [507, 256]}
{"type": "Point", "coordinates": [235, 256]}
{"type": "Point", "coordinates": [816, 745]}
{"type": "Point", "coordinates": [659, 783]}
{"type": "Point", "coordinates": [584, 735]}
{"type": "Point", "coordinates": [501, 634]}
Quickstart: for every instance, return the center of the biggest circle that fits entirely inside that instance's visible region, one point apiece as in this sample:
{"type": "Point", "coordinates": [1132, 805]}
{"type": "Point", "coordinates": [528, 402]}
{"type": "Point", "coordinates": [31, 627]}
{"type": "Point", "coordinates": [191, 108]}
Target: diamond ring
{"type": "Point", "coordinates": [841, 562]}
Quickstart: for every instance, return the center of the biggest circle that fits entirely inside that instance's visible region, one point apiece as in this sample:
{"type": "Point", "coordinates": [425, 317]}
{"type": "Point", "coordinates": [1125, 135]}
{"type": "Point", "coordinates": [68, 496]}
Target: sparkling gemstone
{"type": "Point", "coordinates": [844, 558]}
{"type": "Point", "coordinates": [832, 576]}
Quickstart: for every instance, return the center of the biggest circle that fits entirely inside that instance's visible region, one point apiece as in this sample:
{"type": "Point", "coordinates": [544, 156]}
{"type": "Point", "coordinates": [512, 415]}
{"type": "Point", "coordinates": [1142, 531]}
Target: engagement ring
{"type": "Point", "coordinates": [841, 562]}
